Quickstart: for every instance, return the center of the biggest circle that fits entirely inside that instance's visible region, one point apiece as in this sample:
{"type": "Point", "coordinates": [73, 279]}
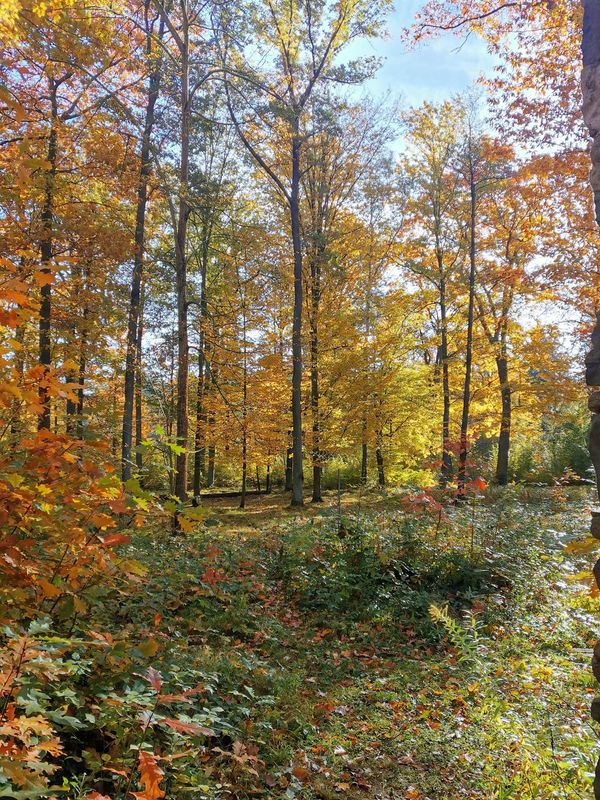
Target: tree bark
{"type": "Point", "coordinates": [133, 347]}
{"type": "Point", "coordinates": [46, 254]}
{"type": "Point", "coordinates": [139, 458]}
{"type": "Point", "coordinates": [200, 433]}
{"type": "Point", "coordinates": [464, 424]}
{"type": "Point", "coordinates": [446, 468]}
{"type": "Point", "coordinates": [591, 114]}
{"type": "Point", "coordinates": [181, 269]}
{"type": "Point", "coordinates": [297, 469]}
{"type": "Point", "coordinates": [314, 375]}
{"type": "Point", "coordinates": [364, 461]}
{"type": "Point", "coordinates": [505, 422]}
{"type": "Point", "coordinates": [379, 459]}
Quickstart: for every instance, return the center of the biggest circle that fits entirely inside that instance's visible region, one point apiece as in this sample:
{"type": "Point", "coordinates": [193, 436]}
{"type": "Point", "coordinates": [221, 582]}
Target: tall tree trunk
{"type": "Point", "coordinates": [74, 334]}
{"type": "Point", "coordinates": [46, 253]}
{"type": "Point", "coordinates": [16, 419]}
{"type": "Point", "coordinates": [315, 269]}
{"type": "Point", "coordinates": [244, 469]}
{"type": "Point", "coordinates": [83, 342]}
{"type": "Point", "coordinates": [297, 470]}
{"type": "Point", "coordinates": [591, 110]}
{"type": "Point", "coordinates": [181, 270]}
{"type": "Point", "coordinates": [211, 423]}
{"type": "Point", "coordinates": [379, 458]}
{"type": "Point", "coordinates": [200, 433]}
{"type": "Point", "coordinates": [464, 423]}
{"type": "Point", "coordinates": [138, 255]}
{"type": "Point", "coordinates": [364, 462]}
{"type": "Point", "coordinates": [83, 354]}
{"type": "Point", "coordinates": [446, 468]}
{"type": "Point", "coordinates": [268, 480]}
{"type": "Point", "coordinates": [244, 410]}
{"type": "Point", "coordinates": [139, 458]}
{"type": "Point", "coordinates": [505, 422]}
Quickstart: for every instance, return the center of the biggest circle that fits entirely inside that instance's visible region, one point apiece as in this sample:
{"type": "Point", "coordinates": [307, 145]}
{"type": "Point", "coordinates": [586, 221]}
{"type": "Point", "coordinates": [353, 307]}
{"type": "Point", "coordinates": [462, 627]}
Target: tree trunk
{"type": "Point", "coordinates": [297, 470]}
{"type": "Point", "coordinates": [133, 347]}
{"type": "Point", "coordinates": [315, 270]}
{"type": "Point", "coordinates": [83, 357]}
{"type": "Point", "coordinates": [139, 459]}
{"type": "Point", "coordinates": [181, 273]}
{"type": "Point", "coordinates": [379, 459]}
{"type": "Point", "coordinates": [505, 422]}
{"type": "Point", "coordinates": [268, 480]}
{"type": "Point", "coordinates": [364, 463]}
{"type": "Point", "coordinates": [446, 468]}
{"type": "Point", "coordinates": [464, 424]}
{"type": "Point", "coordinates": [244, 470]}
{"type": "Point", "coordinates": [200, 434]}
{"type": "Point", "coordinates": [591, 110]}
{"type": "Point", "coordinates": [46, 248]}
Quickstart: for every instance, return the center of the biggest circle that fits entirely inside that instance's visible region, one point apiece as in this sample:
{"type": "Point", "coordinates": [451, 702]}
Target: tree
{"type": "Point", "coordinates": [436, 250]}
{"type": "Point", "coordinates": [302, 45]}
{"type": "Point", "coordinates": [154, 31]}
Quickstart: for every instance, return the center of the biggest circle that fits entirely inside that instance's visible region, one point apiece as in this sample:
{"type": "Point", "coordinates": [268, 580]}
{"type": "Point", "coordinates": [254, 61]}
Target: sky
{"type": "Point", "coordinates": [435, 70]}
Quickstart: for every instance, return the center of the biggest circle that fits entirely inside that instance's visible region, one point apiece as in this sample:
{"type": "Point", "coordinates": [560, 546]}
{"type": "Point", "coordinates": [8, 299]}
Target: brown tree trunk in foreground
{"type": "Point", "coordinates": [591, 114]}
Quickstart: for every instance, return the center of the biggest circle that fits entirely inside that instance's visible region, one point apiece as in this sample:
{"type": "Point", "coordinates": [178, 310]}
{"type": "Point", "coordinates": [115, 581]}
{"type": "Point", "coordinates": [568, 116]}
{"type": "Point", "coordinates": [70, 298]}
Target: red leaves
{"type": "Point", "coordinates": [186, 727]}
{"type": "Point", "coordinates": [477, 484]}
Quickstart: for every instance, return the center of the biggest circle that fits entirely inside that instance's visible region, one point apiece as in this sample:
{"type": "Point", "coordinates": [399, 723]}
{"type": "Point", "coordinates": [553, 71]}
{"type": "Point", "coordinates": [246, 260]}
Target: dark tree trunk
{"type": "Point", "coordinates": [314, 376]}
{"type": "Point", "coordinates": [505, 422]}
{"type": "Point", "coordinates": [244, 470]}
{"type": "Point", "coordinates": [591, 108]}
{"type": "Point", "coordinates": [464, 424]}
{"type": "Point", "coordinates": [83, 357]}
{"type": "Point", "coordinates": [133, 347]}
{"type": "Point", "coordinates": [268, 480]}
{"type": "Point", "coordinates": [446, 468]}
{"type": "Point", "coordinates": [46, 253]}
{"type": "Point", "coordinates": [297, 469]}
{"type": "Point", "coordinates": [181, 476]}
{"type": "Point", "coordinates": [379, 459]}
{"type": "Point", "coordinates": [364, 463]}
{"type": "Point", "coordinates": [139, 458]}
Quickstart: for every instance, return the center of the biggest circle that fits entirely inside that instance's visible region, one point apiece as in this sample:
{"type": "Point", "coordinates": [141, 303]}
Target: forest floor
{"type": "Point", "coordinates": [395, 650]}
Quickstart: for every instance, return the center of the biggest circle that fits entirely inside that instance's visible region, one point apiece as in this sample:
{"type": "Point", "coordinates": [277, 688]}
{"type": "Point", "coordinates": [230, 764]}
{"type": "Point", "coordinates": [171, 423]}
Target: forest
{"type": "Point", "coordinates": [297, 465]}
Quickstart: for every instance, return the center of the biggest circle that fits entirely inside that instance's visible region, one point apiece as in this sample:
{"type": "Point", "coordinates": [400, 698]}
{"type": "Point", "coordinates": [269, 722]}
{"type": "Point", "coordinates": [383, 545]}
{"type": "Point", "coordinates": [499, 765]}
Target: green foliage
{"type": "Point", "coordinates": [561, 448]}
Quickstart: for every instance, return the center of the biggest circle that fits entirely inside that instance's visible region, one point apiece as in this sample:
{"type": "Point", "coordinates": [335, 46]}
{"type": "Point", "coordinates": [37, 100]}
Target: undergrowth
{"type": "Point", "coordinates": [384, 653]}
